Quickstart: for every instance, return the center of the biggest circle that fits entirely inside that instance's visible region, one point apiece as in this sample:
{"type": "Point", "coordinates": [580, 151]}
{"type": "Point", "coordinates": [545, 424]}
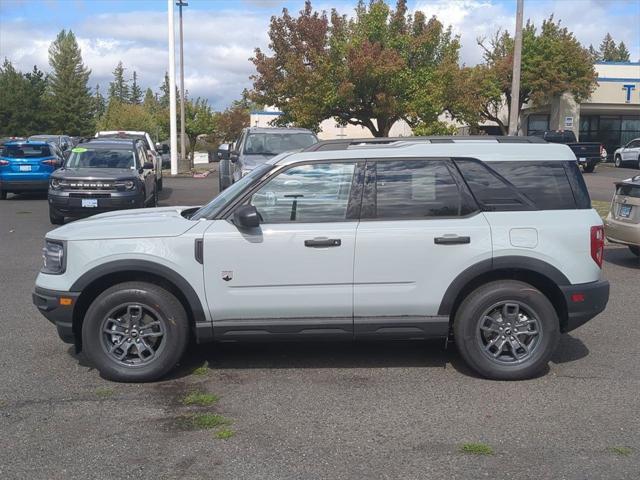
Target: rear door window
{"type": "Point", "coordinates": [415, 189]}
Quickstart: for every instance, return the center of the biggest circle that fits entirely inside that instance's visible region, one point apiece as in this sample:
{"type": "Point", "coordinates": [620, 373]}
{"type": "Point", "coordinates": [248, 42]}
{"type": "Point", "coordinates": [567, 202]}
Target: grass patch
{"type": "Point", "coordinates": [105, 392]}
{"type": "Point", "coordinates": [601, 207]}
{"type": "Point", "coordinates": [621, 451]}
{"type": "Point", "coordinates": [476, 449]}
{"type": "Point", "coordinates": [202, 370]}
{"type": "Point", "coordinates": [201, 399]}
{"type": "Point", "coordinates": [201, 421]}
{"type": "Point", "coordinates": [225, 433]}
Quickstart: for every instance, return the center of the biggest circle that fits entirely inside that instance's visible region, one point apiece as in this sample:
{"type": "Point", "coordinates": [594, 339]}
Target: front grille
{"type": "Point", "coordinates": [71, 185]}
{"type": "Point", "coordinates": [90, 195]}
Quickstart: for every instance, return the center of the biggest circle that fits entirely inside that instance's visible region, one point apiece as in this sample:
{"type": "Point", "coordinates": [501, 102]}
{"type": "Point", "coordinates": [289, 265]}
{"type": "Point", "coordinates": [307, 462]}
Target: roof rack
{"type": "Point", "coordinates": [344, 144]}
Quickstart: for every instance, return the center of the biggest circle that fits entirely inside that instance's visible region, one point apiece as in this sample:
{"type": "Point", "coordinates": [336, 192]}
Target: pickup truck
{"type": "Point", "coordinates": [588, 154]}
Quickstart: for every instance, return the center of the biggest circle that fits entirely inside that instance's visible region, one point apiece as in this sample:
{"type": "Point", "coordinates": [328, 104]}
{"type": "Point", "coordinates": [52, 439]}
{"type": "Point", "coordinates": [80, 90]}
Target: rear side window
{"type": "Point", "coordinates": [26, 151]}
{"type": "Point", "coordinates": [509, 186]}
{"type": "Point", "coordinates": [416, 189]}
{"type": "Point", "coordinates": [629, 190]}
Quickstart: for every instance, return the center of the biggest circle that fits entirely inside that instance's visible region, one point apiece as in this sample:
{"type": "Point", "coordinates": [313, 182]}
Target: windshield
{"type": "Point", "coordinates": [101, 158]}
{"type": "Point", "coordinates": [215, 206]}
{"type": "Point", "coordinates": [275, 143]}
{"type": "Point", "coordinates": [26, 151]}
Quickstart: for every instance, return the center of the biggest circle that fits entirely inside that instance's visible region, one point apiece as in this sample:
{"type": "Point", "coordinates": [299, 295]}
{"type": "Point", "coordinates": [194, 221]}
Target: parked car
{"type": "Point", "coordinates": [224, 149]}
{"type": "Point", "coordinates": [492, 243]}
{"type": "Point", "coordinates": [256, 146]}
{"type": "Point", "coordinates": [628, 155]}
{"type": "Point", "coordinates": [588, 154]}
{"type": "Point", "coordinates": [25, 166]}
{"type": "Point", "coordinates": [622, 224]}
{"type": "Point", "coordinates": [63, 142]}
{"type": "Point", "coordinates": [150, 147]}
{"type": "Point", "coordinates": [102, 175]}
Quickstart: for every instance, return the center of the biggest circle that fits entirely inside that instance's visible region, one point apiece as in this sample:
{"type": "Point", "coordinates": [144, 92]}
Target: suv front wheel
{"type": "Point", "coordinates": [135, 332]}
{"type": "Point", "coordinates": [506, 330]}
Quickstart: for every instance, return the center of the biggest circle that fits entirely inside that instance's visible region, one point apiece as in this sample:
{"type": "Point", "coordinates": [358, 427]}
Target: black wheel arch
{"type": "Point", "coordinates": [100, 278]}
{"type": "Point", "coordinates": [540, 274]}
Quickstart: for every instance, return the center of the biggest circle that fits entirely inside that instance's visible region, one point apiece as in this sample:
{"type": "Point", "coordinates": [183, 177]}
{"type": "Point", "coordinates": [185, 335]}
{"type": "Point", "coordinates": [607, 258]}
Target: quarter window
{"type": "Point", "coordinates": [310, 193]}
{"type": "Point", "coordinates": [416, 189]}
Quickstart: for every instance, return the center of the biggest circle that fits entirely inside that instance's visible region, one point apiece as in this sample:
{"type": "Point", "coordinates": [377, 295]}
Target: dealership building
{"type": "Point", "coordinates": [611, 115]}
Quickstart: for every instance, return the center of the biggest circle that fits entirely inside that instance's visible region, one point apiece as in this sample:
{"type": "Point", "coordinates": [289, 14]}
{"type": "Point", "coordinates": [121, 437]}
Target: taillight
{"type": "Point", "coordinates": [4, 163]}
{"type": "Point", "coordinates": [51, 163]}
{"type": "Point", "coordinates": [597, 244]}
{"type": "Point", "coordinates": [601, 149]}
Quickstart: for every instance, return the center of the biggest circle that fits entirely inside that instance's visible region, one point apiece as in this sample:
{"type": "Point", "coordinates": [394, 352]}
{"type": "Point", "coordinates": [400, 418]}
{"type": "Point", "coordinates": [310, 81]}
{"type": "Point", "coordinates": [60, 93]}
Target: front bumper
{"type": "Point", "coordinates": [69, 203]}
{"type": "Point", "coordinates": [51, 304]}
{"type": "Point", "coordinates": [584, 302]}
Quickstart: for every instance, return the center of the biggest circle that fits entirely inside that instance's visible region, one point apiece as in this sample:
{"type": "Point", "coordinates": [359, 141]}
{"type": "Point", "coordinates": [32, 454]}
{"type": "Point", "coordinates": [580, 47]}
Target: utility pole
{"type": "Point", "coordinates": [514, 111]}
{"type": "Point", "coordinates": [183, 153]}
{"type": "Point", "coordinates": [173, 152]}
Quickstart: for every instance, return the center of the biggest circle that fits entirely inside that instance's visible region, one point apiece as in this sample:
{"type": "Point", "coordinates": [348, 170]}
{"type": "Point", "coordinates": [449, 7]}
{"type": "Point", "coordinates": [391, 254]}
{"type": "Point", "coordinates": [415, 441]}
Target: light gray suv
{"type": "Point", "coordinates": [491, 242]}
{"type": "Point", "coordinates": [256, 146]}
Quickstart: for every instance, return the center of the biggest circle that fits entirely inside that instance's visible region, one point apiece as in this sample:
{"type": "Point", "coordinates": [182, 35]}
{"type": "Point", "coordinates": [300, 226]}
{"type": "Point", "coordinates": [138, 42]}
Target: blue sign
{"type": "Point", "coordinates": [628, 88]}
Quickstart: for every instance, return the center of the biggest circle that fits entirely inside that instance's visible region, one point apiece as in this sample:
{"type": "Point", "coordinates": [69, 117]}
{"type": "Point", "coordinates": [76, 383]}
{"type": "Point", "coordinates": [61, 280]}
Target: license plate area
{"type": "Point", "coordinates": [624, 211]}
{"type": "Point", "coordinates": [582, 159]}
{"type": "Point", "coordinates": [89, 202]}
{"type": "Point", "coordinates": [24, 168]}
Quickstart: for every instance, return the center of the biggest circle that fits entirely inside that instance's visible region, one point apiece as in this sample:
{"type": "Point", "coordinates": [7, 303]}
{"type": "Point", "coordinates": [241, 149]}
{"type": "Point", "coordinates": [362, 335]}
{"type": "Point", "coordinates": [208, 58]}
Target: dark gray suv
{"type": "Point", "coordinates": [256, 146]}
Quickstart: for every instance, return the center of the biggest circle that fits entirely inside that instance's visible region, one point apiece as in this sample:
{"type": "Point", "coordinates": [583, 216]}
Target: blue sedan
{"type": "Point", "coordinates": [26, 166]}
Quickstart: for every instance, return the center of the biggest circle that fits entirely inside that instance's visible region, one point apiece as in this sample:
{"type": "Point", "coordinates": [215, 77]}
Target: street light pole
{"type": "Point", "coordinates": [514, 111]}
{"type": "Point", "coordinates": [173, 130]}
{"type": "Point", "coordinates": [184, 163]}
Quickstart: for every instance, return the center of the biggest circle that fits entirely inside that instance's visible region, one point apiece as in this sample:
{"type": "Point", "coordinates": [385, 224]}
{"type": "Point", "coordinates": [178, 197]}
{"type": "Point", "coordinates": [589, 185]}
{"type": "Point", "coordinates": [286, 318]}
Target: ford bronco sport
{"type": "Point", "coordinates": [491, 242]}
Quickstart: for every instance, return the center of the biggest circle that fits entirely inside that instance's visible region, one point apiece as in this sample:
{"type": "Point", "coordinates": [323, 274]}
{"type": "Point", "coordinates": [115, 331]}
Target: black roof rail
{"type": "Point", "coordinates": [344, 144]}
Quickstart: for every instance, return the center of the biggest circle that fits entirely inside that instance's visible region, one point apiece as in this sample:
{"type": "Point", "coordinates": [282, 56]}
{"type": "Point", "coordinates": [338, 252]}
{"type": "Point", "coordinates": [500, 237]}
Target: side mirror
{"type": "Point", "coordinates": [147, 166]}
{"type": "Point", "coordinates": [158, 146]}
{"type": "Point", "coordinates": [246, 216]}
{"type": "Point", "coordinates": [234, 156]}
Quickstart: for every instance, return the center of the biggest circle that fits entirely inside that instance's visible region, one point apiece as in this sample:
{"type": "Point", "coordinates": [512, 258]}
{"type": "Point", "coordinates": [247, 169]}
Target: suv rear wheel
{"type": "Point", "coordinates": [135, 332]}
{"type": "Point", "coordinates": [506, 330]}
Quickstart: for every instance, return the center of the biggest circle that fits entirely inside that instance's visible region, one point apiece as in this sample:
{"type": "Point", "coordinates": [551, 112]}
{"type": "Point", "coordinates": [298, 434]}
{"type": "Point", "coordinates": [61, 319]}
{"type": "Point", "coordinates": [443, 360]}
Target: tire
{"type": "Point", "coordinates": [55, 218]}
{"type": "Point", "coordinates": [638, 165]}
{"type": "Point", "coordinates": [154, 198]}
{"type": "Point", "coordinates": [113, 310]}
{"type": "Point", "coordinates": [618, 161]}
{"type": "Point", "coordinates": [635, 250]}
{"type": "Point", "coordinates": [3, 195]}
{"type": "Point", "coordinates": [160, 185]}
{"type": "Point", "coordinates": [589, 168]}
{"type": "Point", "coordinates": [473, 332]}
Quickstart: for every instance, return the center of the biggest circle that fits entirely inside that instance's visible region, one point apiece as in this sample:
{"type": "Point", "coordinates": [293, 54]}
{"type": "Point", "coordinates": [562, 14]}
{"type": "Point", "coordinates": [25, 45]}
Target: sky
{"type": "Point", "coordinates": [221, 35]}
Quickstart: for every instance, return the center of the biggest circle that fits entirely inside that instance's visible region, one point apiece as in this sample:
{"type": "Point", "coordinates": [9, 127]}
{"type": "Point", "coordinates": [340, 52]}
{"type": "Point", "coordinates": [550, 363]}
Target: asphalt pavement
{"type": "Point", "coordinates": [312, 411]}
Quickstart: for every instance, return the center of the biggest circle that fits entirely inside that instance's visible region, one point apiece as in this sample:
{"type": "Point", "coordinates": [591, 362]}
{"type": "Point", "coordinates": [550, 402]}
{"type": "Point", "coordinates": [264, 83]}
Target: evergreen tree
{"type": "Point", "coordinates": [135, 96]}
{"type": "Point", "coordinates": [608, 49]}
{"type": "Point", "coordinates": [14, 87]}
{"type": "Point", "coordinates": [119, 88]}
{"type": "Point", "coordinates": [36, 102]}
{"type": "Point", "coordinates": [595, 54]}
{"type": "Point", "coordinates": [71, 102]}
{"type": "Point", "coordinates": [164, 92]}
{"type": "Point", "coordinates": [623, 53]}
{"type": "Point", "coordinates": [150, 102]}
{"type": "Point", "coordinates": [100, 104]}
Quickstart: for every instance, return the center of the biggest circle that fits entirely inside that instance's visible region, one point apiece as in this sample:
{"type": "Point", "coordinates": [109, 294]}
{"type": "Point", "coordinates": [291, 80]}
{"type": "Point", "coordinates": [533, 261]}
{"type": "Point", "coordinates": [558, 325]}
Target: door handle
{"type": "Point", "coordinates": [451, 240]}
{"type": "Point", "coordinates": [323, 242]}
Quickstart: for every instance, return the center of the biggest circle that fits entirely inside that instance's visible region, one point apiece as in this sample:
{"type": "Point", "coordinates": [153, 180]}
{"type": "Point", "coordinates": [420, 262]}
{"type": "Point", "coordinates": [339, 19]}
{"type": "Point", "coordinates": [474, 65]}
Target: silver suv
{"type": "Point", "coordinates": [491, 242]}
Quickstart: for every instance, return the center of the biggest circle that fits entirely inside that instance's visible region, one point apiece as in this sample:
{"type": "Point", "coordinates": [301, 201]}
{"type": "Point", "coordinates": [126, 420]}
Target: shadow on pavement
{"type": "Point", "coordinates": [622, 257]}
{"type": "Point", "coordinates": [27, 196]}
{"type": "Point", "coordinates": [569, 349]}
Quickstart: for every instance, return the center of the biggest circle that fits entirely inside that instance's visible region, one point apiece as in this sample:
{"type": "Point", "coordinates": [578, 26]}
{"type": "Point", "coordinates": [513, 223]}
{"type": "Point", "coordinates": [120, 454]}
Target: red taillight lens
{"type": "Point", "coordinates": [4, 162]}
{"type": "Point", "coordinates": [51, 163]}
{"type": "Point", "coordinates": [597, 244]}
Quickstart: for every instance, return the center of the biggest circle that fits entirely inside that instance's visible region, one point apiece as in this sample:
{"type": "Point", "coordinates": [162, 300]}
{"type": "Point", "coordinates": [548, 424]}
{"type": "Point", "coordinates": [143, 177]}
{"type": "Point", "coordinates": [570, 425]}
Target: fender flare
{"type": "Point", "coordinates": [509, 262]}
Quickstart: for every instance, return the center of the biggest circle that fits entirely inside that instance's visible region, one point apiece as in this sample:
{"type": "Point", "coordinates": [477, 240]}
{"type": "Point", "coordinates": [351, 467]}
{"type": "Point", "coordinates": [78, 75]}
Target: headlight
{"type": "Point", "coordinates": [53, 259]}
{"type": "Point", "coordinates": [55, 183]}
{"type": "Point", "coordinates": [129, 185]}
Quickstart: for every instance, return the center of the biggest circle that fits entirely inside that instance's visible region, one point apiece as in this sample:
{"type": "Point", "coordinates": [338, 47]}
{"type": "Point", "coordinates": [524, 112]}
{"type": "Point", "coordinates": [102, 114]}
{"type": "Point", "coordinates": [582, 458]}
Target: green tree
{"type": "Point", "coordinates": [14, 118]}
{"type": "Point", "coordinates": [37, 102]}
{"type": "Point", "coordinates": [229, 124]}
{"type": "Point", "coordinates": [100, 104]}
{"type": "Point", "coordinates": [372, 70]}
{"type": "Point", "coordinates": [71, 101]}
{"type": "Point", "coordinates": [595, 54]}
{"type": "Point", "coordinates": [125, 116]}
{"type": "Point", "coordinates": [553, 62]}
{"type": "Point", "coordinates": [199, 120]}
{"type": "Point", "coordinates": [135, 94]}
{"type": "Point", "coordinates": [623, 53]}
{"type": "Point", "coordinates": [164, 91]}
{"type": "Point", "coordinates": [119, 87]}
{"type": "Point", "coordinates": [608, 49]}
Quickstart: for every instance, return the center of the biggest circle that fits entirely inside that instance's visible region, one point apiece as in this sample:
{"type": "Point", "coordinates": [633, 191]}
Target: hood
{"type": "Point", "coordinates": [249, 162]}
{"type": "Point", "coordinates": [138, 223]}
{"type": "Point", "coordinates": [95, 173]}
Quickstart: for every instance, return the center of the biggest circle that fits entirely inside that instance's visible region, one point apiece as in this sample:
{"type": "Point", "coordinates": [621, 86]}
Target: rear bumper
{"type": "Point", "coordinates": [584, 302]}
{"type": "Point", "coordinates": [588, 160]}
{"type": "Point", "coordinates": [36, 185]}
{"type": "Point", "coordinates": [622, 232]}
{"type": "Point", "coordinates": [48, 302]}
